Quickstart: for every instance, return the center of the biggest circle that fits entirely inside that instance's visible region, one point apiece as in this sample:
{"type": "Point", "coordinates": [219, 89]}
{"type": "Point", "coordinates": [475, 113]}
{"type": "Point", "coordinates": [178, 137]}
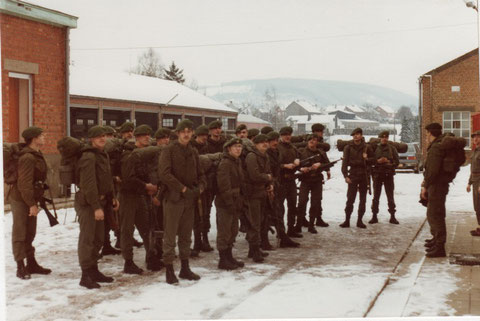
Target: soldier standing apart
{"type": "Point", "coordinates": [289, 161]}
{"type": "Point", "coordinates": [357, 157]}
{"type": "Point", "coordinates": [386, 160]}
{"type": "Point", "coordinates": [312, 182]}
{"type": "Point", "coordinates": [435, 190]}
{"type": "Point", "coordinates": [241, 131]}
{"type": "Point", "coordinates": [474, 180]}
{"type": "Point", "coordinates": [95, 191]}
{"type": "Point", "coordinates": [258, 183]}
{"type": "Point", "coordinates": [135, 190]}
{"type": "Point", "coordinates": [179, 169]}
{"type": "Point", "coordinates": [24, 196]}
{"type": "Point", "coordinates": [229, 202]}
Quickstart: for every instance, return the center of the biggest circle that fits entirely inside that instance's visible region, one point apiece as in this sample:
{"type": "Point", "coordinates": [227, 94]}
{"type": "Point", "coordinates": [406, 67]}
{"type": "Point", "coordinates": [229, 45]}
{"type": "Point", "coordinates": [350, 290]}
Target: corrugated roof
{"type": "Point", "coordinates": [124, 86]}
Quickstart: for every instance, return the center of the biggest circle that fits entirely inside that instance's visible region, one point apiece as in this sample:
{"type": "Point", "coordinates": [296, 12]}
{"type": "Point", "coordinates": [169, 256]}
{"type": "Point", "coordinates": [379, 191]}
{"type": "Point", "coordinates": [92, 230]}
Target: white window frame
{"type": "Point", "coordinates": [30, 93]}
{"type": "Point", "coordinates": [454, 117]}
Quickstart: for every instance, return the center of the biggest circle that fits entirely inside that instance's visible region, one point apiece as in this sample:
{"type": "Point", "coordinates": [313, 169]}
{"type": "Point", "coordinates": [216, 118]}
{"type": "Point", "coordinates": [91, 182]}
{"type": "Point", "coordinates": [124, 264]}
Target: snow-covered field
{"type": "Point", "coordinates": [336, 273]}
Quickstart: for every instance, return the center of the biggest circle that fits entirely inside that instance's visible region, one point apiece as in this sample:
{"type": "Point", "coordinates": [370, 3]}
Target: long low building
{"type": "Point", "coordinates": [251, 121]}
{"type": "Point", "coordinates": [111, 98]}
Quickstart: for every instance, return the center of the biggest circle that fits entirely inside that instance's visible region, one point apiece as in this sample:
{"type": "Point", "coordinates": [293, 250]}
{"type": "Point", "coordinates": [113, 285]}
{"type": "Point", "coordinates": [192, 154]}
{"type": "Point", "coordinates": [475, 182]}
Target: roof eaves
{"type": "Point", "coordinates": [452, 62]}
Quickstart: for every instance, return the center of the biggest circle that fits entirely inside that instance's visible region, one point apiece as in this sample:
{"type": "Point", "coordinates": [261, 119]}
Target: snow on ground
{"type": "Point", "coordinates": [336, 273]}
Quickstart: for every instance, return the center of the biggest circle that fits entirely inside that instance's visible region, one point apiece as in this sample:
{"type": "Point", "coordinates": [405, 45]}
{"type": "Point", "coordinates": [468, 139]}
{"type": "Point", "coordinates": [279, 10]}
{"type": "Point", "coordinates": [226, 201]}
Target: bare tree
{"type": "Point", "coordinates": [149, 64]}
{"type": "Point", "coordinates": [404, 112]}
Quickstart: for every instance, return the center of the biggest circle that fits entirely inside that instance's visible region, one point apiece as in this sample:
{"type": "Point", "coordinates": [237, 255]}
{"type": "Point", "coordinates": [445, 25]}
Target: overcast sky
{"type": "Point", "coordinates": [382, 42]}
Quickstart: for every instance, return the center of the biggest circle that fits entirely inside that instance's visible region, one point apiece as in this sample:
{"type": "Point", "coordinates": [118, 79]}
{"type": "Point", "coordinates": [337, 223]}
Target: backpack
{"type": "Point", "coordinates": [70, 150]}
{"type": "Point", "coordinates": [11, 154]}
{"type": "Point", "coordinates": [454, 155]}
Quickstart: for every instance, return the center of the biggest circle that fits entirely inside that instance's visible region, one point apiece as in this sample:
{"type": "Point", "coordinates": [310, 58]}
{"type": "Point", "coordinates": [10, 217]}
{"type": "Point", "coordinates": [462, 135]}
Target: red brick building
{"type": "Point", "coordinates": [35, 54]}
{"type": "Point", "coordinates": [450, 95]}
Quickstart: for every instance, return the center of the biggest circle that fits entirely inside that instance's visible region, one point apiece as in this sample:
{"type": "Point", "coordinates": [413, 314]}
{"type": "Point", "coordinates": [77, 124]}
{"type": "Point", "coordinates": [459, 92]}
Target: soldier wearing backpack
{"type": "Point", "coordinates": [26, 192]}
{"type": "Point", "coordinates": [95, 184]}
{"type": "Point", "coordinates": [474, 180]}
{"type": "Point", "coordinates": [386, 160]}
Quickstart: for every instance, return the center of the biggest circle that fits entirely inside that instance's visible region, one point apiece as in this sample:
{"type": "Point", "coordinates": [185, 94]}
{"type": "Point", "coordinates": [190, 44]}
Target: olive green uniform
{"type": "Point", "coordinates": [26, 192]}
{"type": "Point", "coordinates": [383, 175]}
{"type": "Point", "coordinates": [95, 184]}
{"type": "Point", "coordinates": [288, 187]}
{"type": "Point", "coordinates": [179, 167]}
{"type": "Point", "coordinates": [474, 180]}
{"type": "Point", "coordinates": [229, 200]}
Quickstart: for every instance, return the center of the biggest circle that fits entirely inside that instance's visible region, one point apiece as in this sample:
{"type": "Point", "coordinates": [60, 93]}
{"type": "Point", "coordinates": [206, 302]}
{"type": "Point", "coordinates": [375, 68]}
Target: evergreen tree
{"type": "Point", "coordinates": [416, 129]}
{"type": "Point", "coordinates": [407, 130]}
{"type": "Point", "coordinates": [174, 73]}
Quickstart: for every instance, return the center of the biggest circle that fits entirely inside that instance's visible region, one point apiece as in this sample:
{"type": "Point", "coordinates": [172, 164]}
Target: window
{"type": "Point", "coordinates": [458, 123]}
{"type": "Point", "coordinates": [167, 122]}
{"type": "Point", "coordinates": [225, 123]}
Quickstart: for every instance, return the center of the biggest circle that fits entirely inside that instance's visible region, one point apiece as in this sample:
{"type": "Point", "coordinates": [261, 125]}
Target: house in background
{"type": "Point", "coordinates": [385, 112]}
{"type": "Point", "coordinates": [301, 107]}
{"type": "Point", "coordinates": [252, 121]}
{"type": "Point", "coordinates": [302, 124]}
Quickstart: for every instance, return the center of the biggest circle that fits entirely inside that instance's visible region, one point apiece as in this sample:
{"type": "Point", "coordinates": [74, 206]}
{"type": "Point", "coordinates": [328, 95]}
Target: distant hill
{"type": "Point", "coordinates": [320, 92]}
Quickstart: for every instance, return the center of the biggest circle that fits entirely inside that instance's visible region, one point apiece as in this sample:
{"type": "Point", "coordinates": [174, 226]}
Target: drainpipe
{"type": "Point", "coordinates": [421, 107]}
{"type": "Point", "coordinates": [67, 79]}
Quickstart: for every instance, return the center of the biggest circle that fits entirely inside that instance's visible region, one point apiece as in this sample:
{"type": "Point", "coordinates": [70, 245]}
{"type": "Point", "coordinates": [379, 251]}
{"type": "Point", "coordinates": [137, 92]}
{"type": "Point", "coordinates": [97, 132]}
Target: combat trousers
{"type": "Point", "coordinates": [227, 227]}
{"type": "Point", "coordinates": [207, 200]}
{"type": "Point", "coordinates": [23, 231]}
{"type": "Point", "coordinates": [476, 200]}
{"type": "Point", "coordinates": [288, 191]}
{"type": "Point", "coordinates": [360, 185]}
{"type": "Point", "coordinates": [90, 239]}
{"type": "Point", "coordinates": [385, 179]}
{"type": "Point", "coordinates": [133, 213]}
{"type": "Point", "coordinates": [177, 220]}
{"type": "Point", "coordinates": [256, 217]}
{"type": "Point", "coordinates": [316, 189]}
{"type": "Point", "coordinates": [437, 194]}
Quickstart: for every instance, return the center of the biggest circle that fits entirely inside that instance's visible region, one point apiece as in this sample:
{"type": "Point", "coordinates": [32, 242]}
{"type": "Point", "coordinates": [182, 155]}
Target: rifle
{"type": "Point", "coordinates": [155, 235]}
{"type": "Point", "coordinates": [324, 167]}
{"type": "Point", "coordinates": [51, 219]}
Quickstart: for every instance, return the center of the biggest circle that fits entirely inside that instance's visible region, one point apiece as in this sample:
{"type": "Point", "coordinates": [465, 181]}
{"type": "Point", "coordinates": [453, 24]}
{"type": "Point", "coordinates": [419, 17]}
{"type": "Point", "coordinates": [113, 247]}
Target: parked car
{"type": "Point", "coordinates": [411, 159]}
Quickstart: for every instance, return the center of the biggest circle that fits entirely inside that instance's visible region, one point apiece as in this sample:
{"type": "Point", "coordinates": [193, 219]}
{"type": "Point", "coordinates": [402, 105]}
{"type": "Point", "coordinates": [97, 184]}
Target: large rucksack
{"type": "Point", "coordinates": [70, 150]}
{"type": "Point", "coordinates": [11, 154]}
{"type": "Point", "coordinates": [454, 155]}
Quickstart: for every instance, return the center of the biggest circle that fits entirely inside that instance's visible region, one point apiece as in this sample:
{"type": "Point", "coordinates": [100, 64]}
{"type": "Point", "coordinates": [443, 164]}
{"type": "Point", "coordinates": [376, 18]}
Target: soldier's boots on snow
{"type": "Point", "coordinates": [87, 279]}
{"type": "Point", "coordinates": [186, 273]}
{"type": "Point", "coordinates": [311, 227]}
{"type": "Point", "coordinates": [256, 255]}
{"type": "Point", "coordinates": [131, 268]}
{"type": "Point", "coordinates": [360, 222]}
{"type": "Point", "coordinates": [393, 220]}
{"type": "Point", "coordinates": [170, 274]}
{"type": "Point", "coordinates": [347, 221]}
{"type": "Point", "coordinates": [154, 263]}
{"type": "Point", "coordinates": [374, 219]}
{"type": "Point", "coordinates": [205, 244]}
{"type": "Point", "coordinates": [225, 263]}
{"type": "Point", "coordinates": [266, 246]}
{"type": "Point", "coordinates": [22, 272]}
{"type": "Point", "coordinates": [232, 259]}
{"type": "Point", "coordinates": [285, 241]}
{"type": "Point", "coordinates": [438, 250]}
{"type": "Point", "coordinates": [429, 242]}
{"type": "Point", "coordinates": [34, 268]}
{"type": "Point", "coordinates": [137, 243]}
{"type": "Point", "coordinates": [98, 276]}
{"type": "Point", "coordinates": [109, 250]}
{"type": "Point", "coordinates": [320, 222]}
{"type": "Point", "coordinates": [292, 233]}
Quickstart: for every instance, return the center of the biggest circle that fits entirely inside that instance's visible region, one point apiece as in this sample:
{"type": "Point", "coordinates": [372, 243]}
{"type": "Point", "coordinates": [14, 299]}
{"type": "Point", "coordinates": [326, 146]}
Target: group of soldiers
{"type": "Point", "coordinates": [170, 195]}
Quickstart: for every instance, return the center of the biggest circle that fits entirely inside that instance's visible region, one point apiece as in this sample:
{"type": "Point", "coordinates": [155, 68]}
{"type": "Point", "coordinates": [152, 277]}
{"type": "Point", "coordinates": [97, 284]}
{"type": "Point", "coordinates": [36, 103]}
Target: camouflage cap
{"type": "Point", "coordinates": [31, 132]}
{"type": "Point", "coordinates": [385, 133]}
{"type": "Point", "coordinates": [109, 130]}
{"type": "Point", "coordinates": [162, 133]}
{"type": "Point", "coordinates": [126, 127]}
{"type": "Point", "coordinates": [287, 130]}
{"type": "Point", "coordinates": [477, 133]}
{"type": "Point", "coordinates": [273, 135]}
{"type": "Point", "coordinates": [318, 127]}
{"type": "Point", "coordinates": [265, 130]}
{"type": "Point", "coordinates": [186, 123]}
{"type": "Point", "coordinates": [240, 128]}
{"type": "Point", "coordinates": [142, 130]}
{"type": "Point", "coordinates": [357, 130]}
{"type": "Point", "coordinates": [262, 138]}
{"type": "Point", "coordinates": [232, 141]}
{"type": "Point", "coordinates": [252, 132]}
{"type": "Point", "coordinates": [96, 131]}
{"type": "Point", "coordinates": [201, 130]}
{"type": "Point", "coordinates": [215, 124]}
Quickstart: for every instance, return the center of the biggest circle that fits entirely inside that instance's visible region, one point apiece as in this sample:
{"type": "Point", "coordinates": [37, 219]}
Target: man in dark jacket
{"type": "Point", "coordinates": [95, 182]}
{"type": "Point", "coordinates": [311, 181]}
{"type": "Point", "coordinates": [229, 202]}
{"type": "Point", "coordinates": [357, 158]}
{"type": "Point", "coordinates": [474, 180]}
{"type": "Point", "coordinates": [386, 160]}
{"type": "Point", "coordinates": [435, 190]}
{"type": "Point", "coordinates": [258, 183]}
{"type": "Point", "coordinates": [179, 169]}
{"type": "Point", "coordinates": [241, 131]}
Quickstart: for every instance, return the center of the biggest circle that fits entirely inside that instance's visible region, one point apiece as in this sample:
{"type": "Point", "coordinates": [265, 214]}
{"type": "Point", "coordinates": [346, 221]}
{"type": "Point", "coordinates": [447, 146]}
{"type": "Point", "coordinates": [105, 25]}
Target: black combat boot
{"type": "Point", "coordinates": [251, 252]}
{"type": "Point", "coordinates": [107, 249]}
{"type": "Point", "coordinates": [205, 244]}
{"type": "Point", "coordinates": [87, 280]}
{"type": "Point", "coordinates": [131, 268]}
{"type": "Point", "coordinates": [170, 274]}
{"type": "Point", "coordinates": [34, 268]}
{"type": "Point", "coordinates": [360, 222]}
{"type": "Point", "coordinates": [305, 222]}
{"type": "Point", "coordinates": [292, 233]}
{"type": "Point", "coordinates": [311, 226]}
{"type": "Point", "coordinates": [225, 263]}
{"type": "Point", "coordinates": [321, 222]}
{"type": "Point", "coordinates": [438, 250]}
{"type": "Point", "coordinates": [257, 255]}
{"type": "Point", "coordinates": [374, 219]}
{"type": "Point", "coordinates": [285, 241]}
{"type": "Point", "coordinates": [22, 272]}
{"type": "Point", "coordinates": [393, 220]}
{"type": "Point", "coordinates": [98, 276]}
{"type": "Point", "coordinates": [233, 260]}
{"type": "Point", "coordinates": [154, 263]}
{"type": "Point", "coordinates": [186, 273]}
{"type": "Point", "coordinates": [347, 221]}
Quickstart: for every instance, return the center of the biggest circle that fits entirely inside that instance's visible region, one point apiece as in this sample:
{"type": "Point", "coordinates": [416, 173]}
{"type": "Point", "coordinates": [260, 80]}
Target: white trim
{"type": "Point", "coordinates": [30, 93]}
{"type": "Point", "coordinates": [12, 74]}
